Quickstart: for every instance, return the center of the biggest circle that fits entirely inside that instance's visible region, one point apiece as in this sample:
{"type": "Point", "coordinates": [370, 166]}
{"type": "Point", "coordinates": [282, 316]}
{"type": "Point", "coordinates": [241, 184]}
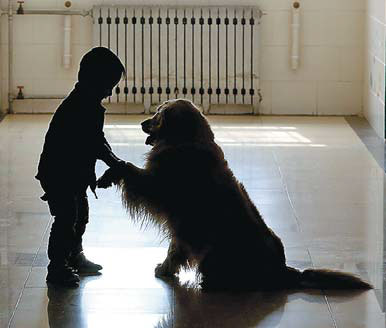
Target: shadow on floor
{"type": "Point", "coordinates": [190, 307]}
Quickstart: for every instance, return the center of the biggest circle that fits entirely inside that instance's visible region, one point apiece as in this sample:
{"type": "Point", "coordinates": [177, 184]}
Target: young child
{"type": "Point", "coordinates": [73, 143]}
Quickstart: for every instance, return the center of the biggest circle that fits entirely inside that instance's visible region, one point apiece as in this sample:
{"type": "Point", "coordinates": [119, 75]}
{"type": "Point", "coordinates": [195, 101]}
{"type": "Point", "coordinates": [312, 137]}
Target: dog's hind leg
{"type": "Point", "coordinates": [175, 259]}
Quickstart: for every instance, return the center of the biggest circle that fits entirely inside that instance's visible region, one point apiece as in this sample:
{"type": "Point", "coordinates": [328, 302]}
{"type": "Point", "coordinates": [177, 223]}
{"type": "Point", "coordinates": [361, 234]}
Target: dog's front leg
{"type": "Point", "coordinates": [128, 175]}
{"type": "Point", "coordinates": [171, 265]}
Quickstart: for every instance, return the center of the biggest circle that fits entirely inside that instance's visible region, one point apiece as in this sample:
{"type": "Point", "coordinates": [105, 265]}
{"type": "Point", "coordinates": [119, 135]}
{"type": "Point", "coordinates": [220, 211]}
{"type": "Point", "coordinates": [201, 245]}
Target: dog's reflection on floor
{"type": "Point", "coordinates": [193, 308]}
{"type": "Point", "coordinates": [190, 307]}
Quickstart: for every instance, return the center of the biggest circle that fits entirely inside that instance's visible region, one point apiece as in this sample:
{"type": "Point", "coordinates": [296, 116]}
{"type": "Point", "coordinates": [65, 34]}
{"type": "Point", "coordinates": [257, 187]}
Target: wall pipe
{"type": "Point", "coordinates": [67, 42]}
{"type": "Point", "coordinates": [10, 12]}
{"type": "Point", "coordinates": [37, 97]}
{"type": "Point", "coordinates": [83, 13]}
{"type": "Point", "coordinates": [295, 53]}
{"type": "Point", "coordinates": [10, 56]}
{"type": "Point", "coordinates": [1, 86]}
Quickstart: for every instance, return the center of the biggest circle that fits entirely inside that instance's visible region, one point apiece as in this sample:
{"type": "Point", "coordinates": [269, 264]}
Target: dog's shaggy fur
{"type": "Point", "coordinates": [188, 189]}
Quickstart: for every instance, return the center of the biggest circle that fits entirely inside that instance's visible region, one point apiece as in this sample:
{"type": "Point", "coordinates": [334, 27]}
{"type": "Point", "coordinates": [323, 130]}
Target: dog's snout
{"type": "Point", "coordinates": [146, 125]}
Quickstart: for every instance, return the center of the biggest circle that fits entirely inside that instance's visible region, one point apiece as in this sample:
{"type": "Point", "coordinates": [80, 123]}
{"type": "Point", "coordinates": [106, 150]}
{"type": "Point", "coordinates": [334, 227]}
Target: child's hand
{"type": "Point", "coordinates": [108, 178]}
{"type": "Point", "coordinates": [112, 175]}
{"type": "Point", "coordinates": [105, 181]}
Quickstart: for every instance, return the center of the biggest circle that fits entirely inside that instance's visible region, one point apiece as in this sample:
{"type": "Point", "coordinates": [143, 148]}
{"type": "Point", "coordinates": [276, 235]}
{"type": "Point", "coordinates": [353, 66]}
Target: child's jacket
{"type": "Point", "coordinates": [73, 143]}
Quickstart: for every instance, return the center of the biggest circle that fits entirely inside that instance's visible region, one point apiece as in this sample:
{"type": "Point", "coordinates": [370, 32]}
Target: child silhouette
{"type": "Point", "coordinates": [73, 143]}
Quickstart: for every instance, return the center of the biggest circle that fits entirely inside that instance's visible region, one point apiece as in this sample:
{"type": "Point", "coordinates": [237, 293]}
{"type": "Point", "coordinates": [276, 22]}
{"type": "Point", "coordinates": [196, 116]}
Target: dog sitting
{"type": "Point", "coordinates": [189, 191]}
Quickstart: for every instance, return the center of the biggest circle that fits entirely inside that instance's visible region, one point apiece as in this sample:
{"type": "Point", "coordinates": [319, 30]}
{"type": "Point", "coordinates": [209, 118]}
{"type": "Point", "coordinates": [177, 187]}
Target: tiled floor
{"type": "Point", "coordinates": [313, 179]}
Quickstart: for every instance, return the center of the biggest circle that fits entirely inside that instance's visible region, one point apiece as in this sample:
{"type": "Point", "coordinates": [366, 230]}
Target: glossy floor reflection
{"type": "Point", "coordinates": [313, 179]}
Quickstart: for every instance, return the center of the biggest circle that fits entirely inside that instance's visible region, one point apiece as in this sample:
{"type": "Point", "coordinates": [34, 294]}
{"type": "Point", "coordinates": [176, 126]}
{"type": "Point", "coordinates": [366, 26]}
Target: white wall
{"type": "Point", "coordinates": [329, 80]}
{"type": "Point", "coordinates": [374, 77]}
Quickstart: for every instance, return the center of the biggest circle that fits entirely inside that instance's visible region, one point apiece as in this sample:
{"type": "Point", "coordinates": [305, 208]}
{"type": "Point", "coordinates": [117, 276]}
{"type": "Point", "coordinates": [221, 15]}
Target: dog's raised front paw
{"type": "Point", "coordinates": [107, 179]}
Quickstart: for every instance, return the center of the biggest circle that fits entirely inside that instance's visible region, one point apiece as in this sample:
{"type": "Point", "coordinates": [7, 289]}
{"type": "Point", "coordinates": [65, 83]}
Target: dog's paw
{"type": "Point", "coordinates": [107, 179]}
{"type": "Point", "coordinates": [103, 183]}
{"type": "Point", "coordinates": [162, 272]}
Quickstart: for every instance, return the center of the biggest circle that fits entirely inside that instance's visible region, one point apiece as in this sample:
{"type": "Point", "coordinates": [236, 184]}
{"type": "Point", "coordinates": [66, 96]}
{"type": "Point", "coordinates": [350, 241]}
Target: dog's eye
{"type": "Point", "coordinates": [158, 121]}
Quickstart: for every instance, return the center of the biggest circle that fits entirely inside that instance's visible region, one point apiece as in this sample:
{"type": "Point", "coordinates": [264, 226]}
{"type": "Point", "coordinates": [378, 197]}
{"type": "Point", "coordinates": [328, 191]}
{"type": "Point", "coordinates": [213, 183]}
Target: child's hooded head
{"type": "Point", "coordinates": [100, 70]}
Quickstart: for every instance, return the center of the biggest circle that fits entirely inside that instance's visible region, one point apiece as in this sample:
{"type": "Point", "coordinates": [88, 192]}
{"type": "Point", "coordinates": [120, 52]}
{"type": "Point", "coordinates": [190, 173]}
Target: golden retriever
{"type": "Point", "coordinates": [189, 191]}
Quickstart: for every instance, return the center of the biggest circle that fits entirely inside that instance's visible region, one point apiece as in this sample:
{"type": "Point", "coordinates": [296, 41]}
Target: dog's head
{"type": "Point", "coordinates": [177, 121]}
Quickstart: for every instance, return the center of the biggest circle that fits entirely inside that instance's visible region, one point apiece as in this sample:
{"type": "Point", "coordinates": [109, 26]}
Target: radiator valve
{"type": "Point", "coordinates": [20, 93]}
{"type": "Point", "coordinates": [20, 9]}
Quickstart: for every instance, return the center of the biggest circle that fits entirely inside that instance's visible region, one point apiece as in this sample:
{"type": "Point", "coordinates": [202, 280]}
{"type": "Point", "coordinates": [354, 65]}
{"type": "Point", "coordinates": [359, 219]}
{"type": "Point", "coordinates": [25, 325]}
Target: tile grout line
{"type": "Point", "coordinates": [28, 275]}
{"type": "Point", "coordinates": [330, 311]}
{"type": "Point", "coordinates": [325, 296]}
{"type": "Point", "coordinates": [286, 191]}
{"type": "Point", "coordinates": [298, 224]}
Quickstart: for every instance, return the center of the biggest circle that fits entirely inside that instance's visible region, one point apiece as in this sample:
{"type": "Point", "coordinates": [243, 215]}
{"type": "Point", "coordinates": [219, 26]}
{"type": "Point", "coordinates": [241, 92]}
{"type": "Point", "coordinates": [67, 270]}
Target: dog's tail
{"type": "Point", "coordinates": [324, 279]}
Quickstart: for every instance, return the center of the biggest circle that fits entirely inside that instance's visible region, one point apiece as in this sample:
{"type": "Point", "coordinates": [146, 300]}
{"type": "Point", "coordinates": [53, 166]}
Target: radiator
{"type": "Point", "coordinates": [209, 55]}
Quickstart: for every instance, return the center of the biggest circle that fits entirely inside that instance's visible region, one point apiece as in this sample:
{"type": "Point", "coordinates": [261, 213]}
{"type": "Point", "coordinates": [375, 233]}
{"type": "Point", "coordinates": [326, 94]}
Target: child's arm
{"type": "Point", "coordinates": [105, 153]}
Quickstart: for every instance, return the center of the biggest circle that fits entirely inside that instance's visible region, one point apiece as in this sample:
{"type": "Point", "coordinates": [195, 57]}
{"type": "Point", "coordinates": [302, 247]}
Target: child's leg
{"type": "Point", "coordinates": [77, 259]}
{"type": "Point", "coordinates": [61, 238]}
{"type": "Point", "coordinates": [63, 208]}
{"type": "Point", "coordinates": [80, 224]}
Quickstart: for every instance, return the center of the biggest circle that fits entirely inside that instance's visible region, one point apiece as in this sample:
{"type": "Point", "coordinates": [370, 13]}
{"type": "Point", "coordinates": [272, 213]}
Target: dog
{"type": "Point", "coordinates": [188, 190]}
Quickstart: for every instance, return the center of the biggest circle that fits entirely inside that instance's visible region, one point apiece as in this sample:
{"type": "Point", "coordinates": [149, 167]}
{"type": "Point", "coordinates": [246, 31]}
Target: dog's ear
{"type": "Point", "coordinates": [182, 122]}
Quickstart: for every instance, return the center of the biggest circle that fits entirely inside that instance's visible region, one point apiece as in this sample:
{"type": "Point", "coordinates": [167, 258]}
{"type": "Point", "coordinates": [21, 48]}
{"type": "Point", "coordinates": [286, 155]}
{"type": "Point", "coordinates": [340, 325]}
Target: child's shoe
{"type": "Point", "coordinates": [63, 277]}
{"type": "Point", "coordinates": [82, 265]}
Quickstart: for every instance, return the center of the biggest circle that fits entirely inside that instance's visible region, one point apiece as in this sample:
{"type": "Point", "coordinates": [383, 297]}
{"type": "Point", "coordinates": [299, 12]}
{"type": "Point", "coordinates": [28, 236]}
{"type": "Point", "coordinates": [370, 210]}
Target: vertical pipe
{"type": "Point", "coordinates": [176, 91]}
{"type": "Point", "coordinates": [251, 90]}
{"type": "Point", "coordinates": [143, 58]}
{"type": "Point", "coordinates": [151, 56]}
{"type": "Point", "coordinates": [108, 21]}
{"type": "Point", "coordinates": [1, 88]}
{"type": "Point", "coordinates": [243, 56]}
{"type": "Point", "coordinates": [10, 57]}
{"type": "Point", "coordinates": [117, 22]}
{"type": "Point", "coordinates": [210, 58]}
{"type": "Point", "coordinates": [159, 21]}
{"type": "Point", "coordinates": [134, 89]}
{"type": "Point", "coordinates": [193, 21]}
{"type": "Point", "coordinates": [126, 21]}
{"type": "Point", "coordinates": [234, 57]}
{"type": "Point", "coordinates": [201, 59]}
{"type": "Point", "coordinates": [167, 55]}
{"type": "Point", "coordinates": [218, 90]}
{"type": "Point", "coordinates": [295, 35]}
{"type": "Point", "coordinates": [184, 21]}
{"type": "Point", "coordinates": [67, 42]}
{"type": "Point", "coordinates": [100, 21]}
{"type": "Point", "coordinates": [226, 56]}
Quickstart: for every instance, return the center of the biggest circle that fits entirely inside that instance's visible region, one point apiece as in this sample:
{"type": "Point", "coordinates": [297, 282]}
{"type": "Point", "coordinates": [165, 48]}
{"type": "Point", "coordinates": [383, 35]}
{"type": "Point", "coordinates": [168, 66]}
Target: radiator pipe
{"type": "Point", "coordinates": [295, 53]}
{"type": "Point", "coordinates": [10, 56]}
{"type": "Point", "coordinates": [38, 97]}
{"type": "Point", "coordinates": [83, 13]}
{"type": "Point", "coordinates": [1, 86]}
{"type": "Point", "coordinates": [67, 42]}
{"type": "Point", "coordinates": [10, 12]}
